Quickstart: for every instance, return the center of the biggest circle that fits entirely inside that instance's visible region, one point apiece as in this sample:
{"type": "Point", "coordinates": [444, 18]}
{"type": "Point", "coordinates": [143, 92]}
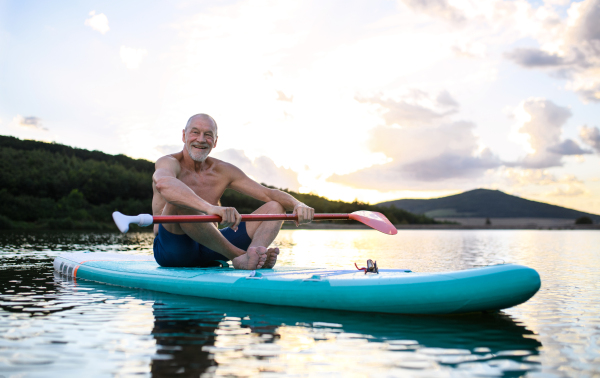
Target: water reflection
{"type": "Point", "coordinates": [52, 326]}
{"type": "Point", "coordinates": [135, 331]}
{"type": "Point", "coordinates": [195, 335]}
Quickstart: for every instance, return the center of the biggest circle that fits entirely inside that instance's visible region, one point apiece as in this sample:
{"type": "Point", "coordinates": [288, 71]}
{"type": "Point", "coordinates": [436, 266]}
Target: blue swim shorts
{"type": "Point", "coordinates": [172, 250]}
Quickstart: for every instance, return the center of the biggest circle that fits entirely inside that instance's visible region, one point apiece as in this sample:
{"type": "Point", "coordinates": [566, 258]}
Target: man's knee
{"type": "Point", "coordinates": [274, 208]}
{"type": "Point", "coordinates": [198, 231]}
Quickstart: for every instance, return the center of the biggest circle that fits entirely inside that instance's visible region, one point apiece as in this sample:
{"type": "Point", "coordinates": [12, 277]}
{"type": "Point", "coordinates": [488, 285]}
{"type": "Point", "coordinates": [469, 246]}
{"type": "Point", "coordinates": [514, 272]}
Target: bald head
{"type": "Point", "coordinates": [202, 117]}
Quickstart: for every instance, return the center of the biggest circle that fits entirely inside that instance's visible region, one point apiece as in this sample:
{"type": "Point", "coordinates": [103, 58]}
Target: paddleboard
{"type": "Point", "coordinates": [397, 291]}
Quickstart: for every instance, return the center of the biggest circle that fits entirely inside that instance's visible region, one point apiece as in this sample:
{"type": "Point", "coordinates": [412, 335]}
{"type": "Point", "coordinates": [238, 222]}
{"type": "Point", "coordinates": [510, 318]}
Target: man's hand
{"type": "Point", "coordinates": [305, 214]}
{"type": "Point", "coordinates": [229, 216]}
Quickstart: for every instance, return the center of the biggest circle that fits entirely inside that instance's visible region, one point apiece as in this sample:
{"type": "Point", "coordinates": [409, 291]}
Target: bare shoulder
{"type": "Point", "coordinates": [169, 162]}
{"type": "Point", "coordinates": [225, 168]}
{"type": "Point", "coordinates": [171, 158]}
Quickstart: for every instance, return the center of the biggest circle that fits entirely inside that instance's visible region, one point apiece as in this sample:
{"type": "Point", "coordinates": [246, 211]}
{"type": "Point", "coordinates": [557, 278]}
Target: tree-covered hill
{"type": "Point", "coordinates": [53, 186]}
{"type": "Point", "coordinates": [485, 203]}
{"type": "Point", "coordinates": [48, 185]}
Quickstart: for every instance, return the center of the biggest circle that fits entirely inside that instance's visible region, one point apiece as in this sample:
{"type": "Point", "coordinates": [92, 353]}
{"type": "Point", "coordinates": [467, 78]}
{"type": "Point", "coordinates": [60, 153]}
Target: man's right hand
{"type": "Point", "coordinates": [229, 216]}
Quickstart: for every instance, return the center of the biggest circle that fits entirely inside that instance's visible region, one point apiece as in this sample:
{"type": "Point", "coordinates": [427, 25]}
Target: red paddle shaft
{"type": "Point", "coordinates": [372, 219]}
{"type": "Point", "coordinates": [245, 218]}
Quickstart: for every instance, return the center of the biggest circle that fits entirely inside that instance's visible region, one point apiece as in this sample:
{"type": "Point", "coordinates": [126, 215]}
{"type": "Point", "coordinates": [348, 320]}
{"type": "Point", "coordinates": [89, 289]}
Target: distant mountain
{"type": "Point", "coordinates": [484, 203]}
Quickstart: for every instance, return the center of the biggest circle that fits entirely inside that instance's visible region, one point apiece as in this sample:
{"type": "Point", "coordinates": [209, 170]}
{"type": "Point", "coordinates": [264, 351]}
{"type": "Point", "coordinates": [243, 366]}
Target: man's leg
{"type": "Point", "coordinates": [208, 235]}
{"type": "Point", "coordinates": [263, 233]}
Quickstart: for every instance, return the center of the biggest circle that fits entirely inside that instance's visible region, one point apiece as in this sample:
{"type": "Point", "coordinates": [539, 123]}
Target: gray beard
{"type": "Point", "coordinates": [196, 155]}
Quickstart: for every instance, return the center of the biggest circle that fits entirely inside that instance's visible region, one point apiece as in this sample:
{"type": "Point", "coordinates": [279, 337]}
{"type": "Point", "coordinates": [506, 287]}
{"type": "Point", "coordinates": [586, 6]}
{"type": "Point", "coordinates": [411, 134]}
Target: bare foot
{"type": "Point", "coordinates": [247, 261]}
{"type": "Point", "coordinates": [271, 258]}
{"type": "Point", "coordinates": [253, 259]}
{"type": "Point", "coordinates": [262, 255]}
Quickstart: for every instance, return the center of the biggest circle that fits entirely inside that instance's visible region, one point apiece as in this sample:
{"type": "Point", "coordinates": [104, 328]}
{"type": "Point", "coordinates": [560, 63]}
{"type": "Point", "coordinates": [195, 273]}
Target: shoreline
{"type": "Point", "coordinates": [329, 226]}
{"type": "Point", "coordinates": [340, 226]}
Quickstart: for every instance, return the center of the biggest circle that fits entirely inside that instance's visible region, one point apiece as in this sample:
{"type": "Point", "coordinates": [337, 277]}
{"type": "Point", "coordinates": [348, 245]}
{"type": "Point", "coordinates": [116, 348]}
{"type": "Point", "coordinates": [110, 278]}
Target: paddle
{"type": "Point", "coordinates": [372, 219]}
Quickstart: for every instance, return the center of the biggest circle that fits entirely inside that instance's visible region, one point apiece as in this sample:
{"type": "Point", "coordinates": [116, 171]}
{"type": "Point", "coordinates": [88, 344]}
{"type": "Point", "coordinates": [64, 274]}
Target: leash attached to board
{"type": "Point", "coordinates": [371, 267]}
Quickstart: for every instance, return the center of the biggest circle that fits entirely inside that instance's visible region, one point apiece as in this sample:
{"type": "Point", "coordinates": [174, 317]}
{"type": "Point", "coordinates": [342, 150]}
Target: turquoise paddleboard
{"type": "Point", "coordinates": [397, 291]}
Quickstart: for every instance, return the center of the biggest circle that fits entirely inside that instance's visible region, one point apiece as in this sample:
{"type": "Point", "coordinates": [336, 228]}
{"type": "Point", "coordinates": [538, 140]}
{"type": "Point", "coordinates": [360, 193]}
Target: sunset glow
{"type": "Point", "coordinates": [371, 100]}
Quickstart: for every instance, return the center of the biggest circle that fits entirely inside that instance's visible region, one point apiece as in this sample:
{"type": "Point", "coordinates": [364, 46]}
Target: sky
{"type": "Point", "coordinates": [370, 100]}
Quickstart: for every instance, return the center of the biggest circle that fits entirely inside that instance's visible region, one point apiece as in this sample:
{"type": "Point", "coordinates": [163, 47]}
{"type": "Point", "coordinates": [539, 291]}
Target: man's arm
{"type": "Point", "coordinates": [175, 192]}
{"type": "Point", "coordinates": [246, 185]}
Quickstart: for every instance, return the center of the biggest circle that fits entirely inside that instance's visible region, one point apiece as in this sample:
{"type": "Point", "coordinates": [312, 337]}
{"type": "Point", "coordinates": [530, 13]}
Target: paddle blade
{"type": "Point", "coordinates": [123, 221]}
{"type": "Point", "coordinates": [374, 220]}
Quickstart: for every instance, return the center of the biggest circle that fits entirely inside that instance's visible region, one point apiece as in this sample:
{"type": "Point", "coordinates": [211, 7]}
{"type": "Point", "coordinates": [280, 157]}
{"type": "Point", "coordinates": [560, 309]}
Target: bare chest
{"type": "Point", "coordinates": [207, 185]}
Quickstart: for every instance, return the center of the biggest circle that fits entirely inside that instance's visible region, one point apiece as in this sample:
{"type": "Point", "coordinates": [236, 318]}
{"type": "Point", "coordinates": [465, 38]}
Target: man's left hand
{"type": "Point", "coordinates": [305, 213]}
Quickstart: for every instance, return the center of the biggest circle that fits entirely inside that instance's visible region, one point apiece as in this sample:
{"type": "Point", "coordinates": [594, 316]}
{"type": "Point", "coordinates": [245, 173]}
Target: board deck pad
{"type": "Point", "coordinates": [392, 290]}
{"type": "Point", "coordinates": [139, 264]}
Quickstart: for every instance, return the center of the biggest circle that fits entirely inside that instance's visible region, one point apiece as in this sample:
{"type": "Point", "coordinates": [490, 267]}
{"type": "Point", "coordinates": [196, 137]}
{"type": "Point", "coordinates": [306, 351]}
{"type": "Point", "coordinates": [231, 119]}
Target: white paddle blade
{"type": "Point", "coordinates": [123, 221]}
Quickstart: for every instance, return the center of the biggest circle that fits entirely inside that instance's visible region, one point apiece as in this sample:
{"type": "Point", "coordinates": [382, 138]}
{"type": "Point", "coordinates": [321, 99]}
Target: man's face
{"type": "Point", "coordinates": [200, 137]}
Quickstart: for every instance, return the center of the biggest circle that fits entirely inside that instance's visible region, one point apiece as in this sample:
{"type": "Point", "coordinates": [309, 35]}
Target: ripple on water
{"type": "Point", "coordinates": [51, 324]}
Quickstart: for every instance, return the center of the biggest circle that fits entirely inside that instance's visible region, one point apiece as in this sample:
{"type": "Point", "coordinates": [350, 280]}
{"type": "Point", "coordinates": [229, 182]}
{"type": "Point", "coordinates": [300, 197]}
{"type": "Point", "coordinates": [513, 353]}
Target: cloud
{"type": "Point", "coordinates": [282, 97]}
{"type": "Point", "coordinates": [518, 177]}
{"type": "Point", "coordinates": [542, 122]}
{"type": "Point", "coordinates": [413, 108]}
{"type": "Point", "coordinates": [132, 57]}
{"type": "Point", "coordinates": [535, 58]}
{"type": "Point", "coordinates": [568, 147]}
{"type": "Point", "coordinates": [424, 147]}
{"type": "Point", "coordinates": [445, 99]}
{"type": "Point", "coordinates": [98, 22]}
{"type": "Point", "coordinates": [571, 50]}
{"type": "Point", "coordinates": [567, 191]}
{"type": "Point", "coordinates": [558, 2]}
{"type": "Point", "coordinates": [427, 149]}
{"type": "Point", "coordinates": [452, 164]}
{"type": "Point", "coordinates": [29, 122]}
{"type": "Point", "coordinates": [590, 136]}
{"type": "Point", "coordinates": [541, 181]}
{"type": "Point", "coordinates": [467, 49]}
{"type": "Point", "coordinates": [262, 169]}
{"type": "Point", "coordinates": [436, 8]}
{"type": "Point", "coordinates": [422, 157]}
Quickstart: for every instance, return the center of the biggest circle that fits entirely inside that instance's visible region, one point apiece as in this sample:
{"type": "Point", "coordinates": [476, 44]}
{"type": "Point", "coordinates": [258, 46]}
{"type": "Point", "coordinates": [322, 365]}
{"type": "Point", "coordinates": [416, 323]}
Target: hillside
{"type": "Point", "coordinates": [53, 186]}
{"type": "Point", "coordinates": [484, 203]}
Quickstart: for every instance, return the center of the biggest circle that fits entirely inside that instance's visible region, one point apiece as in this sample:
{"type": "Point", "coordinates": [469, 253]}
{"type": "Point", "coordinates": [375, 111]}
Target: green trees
{"type": "Point", "coordinates": [51, 186]}
{"type": "Point", "coordinates": [584, 220]}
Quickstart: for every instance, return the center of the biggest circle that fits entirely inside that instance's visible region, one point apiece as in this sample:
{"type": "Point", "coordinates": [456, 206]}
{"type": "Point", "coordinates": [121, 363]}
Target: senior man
{"type": "Point", "coordinates": [190, 182]}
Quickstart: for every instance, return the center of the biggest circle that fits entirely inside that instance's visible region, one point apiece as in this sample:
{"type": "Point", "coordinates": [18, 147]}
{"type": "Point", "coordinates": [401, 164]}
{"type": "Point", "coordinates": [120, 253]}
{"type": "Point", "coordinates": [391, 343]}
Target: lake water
{"type": "Point", "coordinates": [53, 326]}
